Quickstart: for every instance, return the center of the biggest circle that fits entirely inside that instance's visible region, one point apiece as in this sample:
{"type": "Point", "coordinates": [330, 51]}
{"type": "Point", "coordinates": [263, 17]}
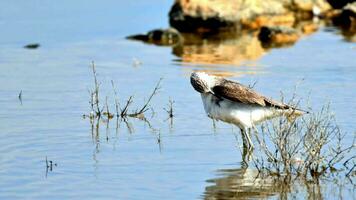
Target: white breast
{"type": "Point", "coordinates": [240, 114]}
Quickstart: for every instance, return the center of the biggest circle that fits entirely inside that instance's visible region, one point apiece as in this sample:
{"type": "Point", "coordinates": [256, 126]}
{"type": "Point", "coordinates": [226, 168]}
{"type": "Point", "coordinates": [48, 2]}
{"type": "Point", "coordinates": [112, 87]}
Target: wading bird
{"type": "Point", "coordinates": [237, 104]}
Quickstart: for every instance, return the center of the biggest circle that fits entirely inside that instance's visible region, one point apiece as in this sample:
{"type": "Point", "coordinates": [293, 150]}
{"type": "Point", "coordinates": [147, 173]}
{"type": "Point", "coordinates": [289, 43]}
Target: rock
{"type": "Point", "coordinates": [287, 19]}
{"type": "Point", "coordinates": [210, 15]}
{"type": "Point", "coordinates": [308, 28]}
{"type": "Point", "coordinates": [350, 38]}
{"type": "Point", "coordinates": [277, 36]}
{"type": "Point", "coordinates": [314, 6]}
{"type": "Point", "coordinates": [190, 19]}
{"type": "Point", "coordinates": [165, 37]}
{"type": "Point", "coordinates": [32, 46]}
{"type": "Point", "coordinates": [338, 4]}
{"type": "Point", "coordinates": [197, 15]}
{"type": "Point", "coordinates": [347, 18]}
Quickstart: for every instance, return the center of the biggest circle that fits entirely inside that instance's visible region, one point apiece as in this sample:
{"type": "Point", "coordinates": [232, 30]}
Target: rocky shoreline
{"type": "Point", "coordinates": [202, 30]}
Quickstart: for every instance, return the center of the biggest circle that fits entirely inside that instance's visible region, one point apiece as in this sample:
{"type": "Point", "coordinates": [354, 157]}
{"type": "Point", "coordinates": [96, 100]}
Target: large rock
{"type": "Point", "coordinates": [208, 15]}
{"type": "Point", "coordinates": [347, 16]}
{"type": "Point", "coordinates": [346, 20]}
{"type": "Point", "coordinates": [338, 4]}
{"type": "Point", "coordinates": [314, 6]}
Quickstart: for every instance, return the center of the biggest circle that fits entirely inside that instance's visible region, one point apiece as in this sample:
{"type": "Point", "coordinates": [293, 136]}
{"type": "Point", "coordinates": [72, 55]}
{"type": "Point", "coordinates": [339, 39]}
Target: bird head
{"type": "Point", "coordinates": [202, 82]}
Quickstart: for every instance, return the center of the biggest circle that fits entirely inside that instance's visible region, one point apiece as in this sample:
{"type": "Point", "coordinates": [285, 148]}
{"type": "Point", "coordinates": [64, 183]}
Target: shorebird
{"type": "Point", "coordinates": [237, 104]}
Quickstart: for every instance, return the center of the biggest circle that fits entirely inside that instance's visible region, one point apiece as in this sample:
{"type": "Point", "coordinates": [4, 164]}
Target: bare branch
{"type": "Point", "coordinates": [145, 106]}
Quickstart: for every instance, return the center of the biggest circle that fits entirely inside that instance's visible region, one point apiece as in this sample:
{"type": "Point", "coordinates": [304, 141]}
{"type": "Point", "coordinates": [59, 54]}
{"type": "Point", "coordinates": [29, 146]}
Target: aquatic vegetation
{"type": "Point", "coordinates": [309, 147]}
{"type": "Point", "coordinates": [99, 110]}
{"type": "Point", "coordinates": [306, 152]}
{"type": "Point", "coordinates": [169, 110]}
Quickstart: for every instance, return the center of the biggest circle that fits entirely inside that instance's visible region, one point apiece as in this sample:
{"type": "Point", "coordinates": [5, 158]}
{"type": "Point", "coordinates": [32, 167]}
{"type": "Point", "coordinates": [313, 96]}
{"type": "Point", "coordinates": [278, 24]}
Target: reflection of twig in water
{"type": "Point", "coordinates": [351, 171]}
{"type": "Point", "coordinates": [20, 97]}
{"type": "Point", "coordinates": [144, 119]}
{"type": "Point", "coordinates": [96, 162]}
{"type": "Point", "coordinates": [129, 126]}
{"type": "Point", "coordinates": [107, 130]}
{"type": "Point", "coordinates": [170, 108]}
{"type": "Point", "coordinates": [170, 113]}
{"type": "Point", "coordinates": [159, 140]}
{"type": "Point", "coordinates": [117, 127]}
{"type": "Point", "coordinates": [214, 125]}
{"type": "Point", "coordinates": [49, 166]}
{"type": "Point", "coordinates": [95, 131]}
{"type": "Point", "coordinates": [153, 113]}
{"type": "Point", "coordinates": [313, 190]}
{"type": "Point", "coordinates": [170, 123]}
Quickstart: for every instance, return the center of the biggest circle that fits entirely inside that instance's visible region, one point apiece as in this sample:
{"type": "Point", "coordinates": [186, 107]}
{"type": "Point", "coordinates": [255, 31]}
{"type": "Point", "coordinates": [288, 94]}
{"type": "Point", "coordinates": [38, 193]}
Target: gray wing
{"type": "Point", "coordinates": [239, 93]}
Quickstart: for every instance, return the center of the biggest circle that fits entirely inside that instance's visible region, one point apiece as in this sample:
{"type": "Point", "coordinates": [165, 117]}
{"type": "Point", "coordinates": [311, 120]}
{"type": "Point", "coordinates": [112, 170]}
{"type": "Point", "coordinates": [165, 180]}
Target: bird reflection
{"type": "Point", "coordinates": [245, 183]}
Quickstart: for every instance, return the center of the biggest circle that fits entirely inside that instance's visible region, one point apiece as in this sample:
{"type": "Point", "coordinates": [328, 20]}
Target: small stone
{"type": "Point", "coordinates": [165, 37]}
{"type": "Point", "coordinates": [32, 46]}
{"type": "Point", "coordinates": [309, 28]}
{"type": "Point", "coordinates": [277, 36]}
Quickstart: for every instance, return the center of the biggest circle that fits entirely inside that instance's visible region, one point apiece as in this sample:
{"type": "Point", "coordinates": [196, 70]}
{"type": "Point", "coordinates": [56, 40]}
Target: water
{"type": "Point", "coordinates": [192, 156]}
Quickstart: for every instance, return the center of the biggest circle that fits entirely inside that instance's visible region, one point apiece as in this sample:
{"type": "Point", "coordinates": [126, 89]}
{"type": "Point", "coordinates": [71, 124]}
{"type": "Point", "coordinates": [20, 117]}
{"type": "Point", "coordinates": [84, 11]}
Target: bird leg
{"type": "Point", "coordinates": [246, 139]}
{"type": "Point", "coordinates": [247, 150]}
{"type": "Point", "coordinates": [250, 144]}
{"type": "Point", "coordinates": [246, 157]}
{"type": "Point", "coordinates": [243, 138]}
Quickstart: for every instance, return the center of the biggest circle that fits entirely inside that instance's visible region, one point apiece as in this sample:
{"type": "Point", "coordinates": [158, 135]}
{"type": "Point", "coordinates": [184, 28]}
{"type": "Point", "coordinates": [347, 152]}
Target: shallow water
{"type": "Point", "coordinates": [117, 163]}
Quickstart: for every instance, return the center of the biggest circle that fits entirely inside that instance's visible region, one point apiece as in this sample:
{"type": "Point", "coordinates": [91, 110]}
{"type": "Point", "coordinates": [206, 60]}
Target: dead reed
{"type": "Point", "coordinates": [99, 109]}
{"type": "Point", "coordinates": [309, 147]}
